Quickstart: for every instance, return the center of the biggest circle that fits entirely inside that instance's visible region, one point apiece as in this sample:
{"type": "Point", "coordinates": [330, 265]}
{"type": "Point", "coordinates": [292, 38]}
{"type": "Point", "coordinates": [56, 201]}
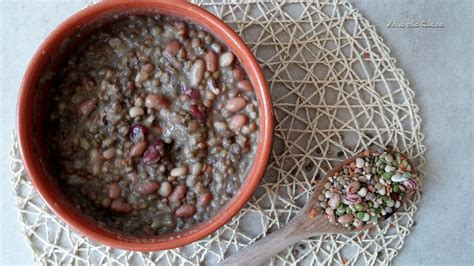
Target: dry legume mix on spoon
{"type": "Point", "coordinates": [368, 190]}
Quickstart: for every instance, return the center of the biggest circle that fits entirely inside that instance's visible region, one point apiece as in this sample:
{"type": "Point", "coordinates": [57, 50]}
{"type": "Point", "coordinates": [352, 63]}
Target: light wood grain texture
{"type": "Point", "coordinates": [310, 221]}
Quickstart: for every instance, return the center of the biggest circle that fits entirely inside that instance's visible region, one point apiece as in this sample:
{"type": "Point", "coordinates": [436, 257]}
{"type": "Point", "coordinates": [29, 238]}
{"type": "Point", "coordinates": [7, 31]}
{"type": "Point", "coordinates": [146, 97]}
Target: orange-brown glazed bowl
{"type": "Point", "coordinates": [32, 105]}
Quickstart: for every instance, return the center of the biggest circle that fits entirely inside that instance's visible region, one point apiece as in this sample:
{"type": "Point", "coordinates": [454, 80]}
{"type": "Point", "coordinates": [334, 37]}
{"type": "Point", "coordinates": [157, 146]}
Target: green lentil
{"type": "Point", "coordinates": [366, 217]}
{"type": "Point", "coordinates": [405, 163]}
{"type": "Point", "coordinates": [348, 210]}
{"type": "Point", "coordinates": [395, 188]}
{"type": "Point", "coordinates": [359, 207]}
{"type": "Point", "coordinates": [386, 176]}
{"type": "Point", "coordinates": [360, 215]}
{"type": "Point", "coordinates": [374, 219]}
{"type": "Point", "coordinates": [341, 208]}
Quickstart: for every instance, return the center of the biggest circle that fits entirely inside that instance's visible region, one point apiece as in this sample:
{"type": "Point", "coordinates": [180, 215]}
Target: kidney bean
{"type": "Point", "coordinates": [86, 107]}
{"type": "Point", "coordinates": [154, 152]}
{"type": "Point", "coordinates": [185, 211]}
{"type": "Point", "coordinates": [109, 153]}
{"type": "Point", "coordinates": [226, 59]}
{"type": "Point", "coordinates": [179, 171]}
{"type": "Point", "coordinates": [236, 104]}
{"type": "Point", "coordinates": [395, 196]}
{"type": "Point", "coordinates": [212, 85]}
{"type": "Point", "coordinates": [133, 177]}
{"type": "Point", "coordinates": [146, 188]}
{"type": "Point", "coordinates": [244, 85]}
{"type": "Point", "coordinates": [138, 149]}
{"type": "Point", "coordinates": [195, 43]}
{"type": "Point", "coordinates": [138, 133]}
{"type": "Point", "coordinates": [148, 68]}
{"type": "Point", "coordinates": [178, 193]}
{"type": "Point", "coordinates": [205, 199]}
{"type": "Point", "coordinates": [172, 48]}
{"type": "Point", "coordinates": [197, 72]}
{"type": "Point", "coordinates": [238, 73]}
{"type": "Point", "coordinates": [120, 206]}
{"type": "Point", "coordinates": [156, 101]}
{"type": "Point", "coordinates": [136, 111]}
{"type": "Point", "coordinates": [211, 61]}
{"type": "Point", "coordinates": [114, 191]}
{"type": "Point", "coordinates": [165, 189]}
{"type": "Point", "coordinates": [196, 169]}
{"type": "Point", "coordinates": [197, 112]}
{"type": "Point", "coordinates": [193, 93]}
{"type": "Point", "coordinates": [237, 121]}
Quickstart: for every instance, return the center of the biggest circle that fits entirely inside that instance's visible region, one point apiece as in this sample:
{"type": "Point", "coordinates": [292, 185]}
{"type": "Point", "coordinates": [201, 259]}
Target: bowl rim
{"type": "Point", "coordinates": [37, 174]}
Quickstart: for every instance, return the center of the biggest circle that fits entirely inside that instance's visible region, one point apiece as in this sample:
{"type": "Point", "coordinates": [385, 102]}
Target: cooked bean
{"type": "Point", "coordinates": [244, 85]}
{"type": "Point", "coordinates": [114, 190]}
{"type": "Point", "coordinates": [179, 171]}
{"type": "Point", "coordinates": [86, 107]}
{"type": "Point", "coordinates": [148, 68]}
{"type": "Point", "coordinates": [138, 149]}
{"type": "Point", "coordinates": [165, 189]}
{"type": "Point", "coordinates": [136, 111]}
{"type": "Point", "coordinates": [236, 104]}
{"type": "Point", "coordinates": [205, 199]}
{"type": "Point", "coordinates": [172, 48]}
{"type": "Point", "coordinates": [178, 193]}
{"type": "Point", "coordinates": [120, 206]}
{"type": "Point", "coordinates": [109, 153]}
{"type": "Point", "coordinates": [185, 211]}
{"type": "Point", "coordinates": [146, 188]}
{"type": "Point", "coordinates": [226, 59]}
{"type": "Point", "coordinates": [196, 169]}
{"type": "Point", "coordinates": [238, 73]}
{"type": "Point", "coordinates": [154, 152]}
{"type": "Point", "coordinates": [155, 101]}
{"type": "Point", "coordinates": [237, 121]}
{"type": "Point", "coordinates": [211, 61]}
{"type": "Point", "coordinates": [197, 72]}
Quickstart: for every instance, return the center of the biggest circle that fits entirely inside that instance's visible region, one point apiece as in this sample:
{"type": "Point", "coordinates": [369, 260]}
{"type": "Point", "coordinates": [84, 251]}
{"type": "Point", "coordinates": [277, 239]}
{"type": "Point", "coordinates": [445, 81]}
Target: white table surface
{"type": "Point", "coordinates": [438, 62]}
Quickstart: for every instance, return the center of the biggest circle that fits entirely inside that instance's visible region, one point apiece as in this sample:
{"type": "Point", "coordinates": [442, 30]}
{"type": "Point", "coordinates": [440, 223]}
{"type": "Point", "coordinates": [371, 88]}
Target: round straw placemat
{"type": "Point", "coordinates": [336, 91]}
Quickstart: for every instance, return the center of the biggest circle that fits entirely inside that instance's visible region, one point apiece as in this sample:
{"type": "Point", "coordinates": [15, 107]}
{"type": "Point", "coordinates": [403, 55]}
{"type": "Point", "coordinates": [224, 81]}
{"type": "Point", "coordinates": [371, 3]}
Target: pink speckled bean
{"type": "Point", "coordinates": [114, 191]}
{"type": "Point", "coordinates": [236, 104]}
{"type": "Point", "coordinates": [237, 121]}
{"type": "Point", "coordinates": [185, 211]}
{"type": "Point", "coordinates": [178, 193]}
{"type": "Point", "coordinates": [120, 206]}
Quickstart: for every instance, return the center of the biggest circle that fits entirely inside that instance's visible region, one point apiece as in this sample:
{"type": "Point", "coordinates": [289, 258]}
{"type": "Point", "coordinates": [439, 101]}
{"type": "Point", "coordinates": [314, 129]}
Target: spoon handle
{"type": "Point", "coordinates": [265, 248]}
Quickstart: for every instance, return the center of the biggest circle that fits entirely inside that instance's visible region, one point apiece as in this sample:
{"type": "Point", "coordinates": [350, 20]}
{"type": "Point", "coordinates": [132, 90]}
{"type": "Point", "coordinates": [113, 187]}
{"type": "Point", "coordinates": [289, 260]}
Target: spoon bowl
{"type": "Point", "coordinates": [308, 222]}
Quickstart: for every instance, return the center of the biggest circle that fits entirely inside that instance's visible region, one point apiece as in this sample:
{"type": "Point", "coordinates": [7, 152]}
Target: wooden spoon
{"type": "Point", "coordinates": [310, 221]}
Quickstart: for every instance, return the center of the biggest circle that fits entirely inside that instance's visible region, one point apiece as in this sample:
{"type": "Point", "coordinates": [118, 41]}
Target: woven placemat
{"type": "Point", "coordinates": [336, 92]}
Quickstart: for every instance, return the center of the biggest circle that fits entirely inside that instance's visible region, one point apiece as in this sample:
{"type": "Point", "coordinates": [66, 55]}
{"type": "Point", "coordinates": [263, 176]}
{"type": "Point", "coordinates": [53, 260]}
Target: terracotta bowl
{"type": "Point", "coordinates": [32, 104]}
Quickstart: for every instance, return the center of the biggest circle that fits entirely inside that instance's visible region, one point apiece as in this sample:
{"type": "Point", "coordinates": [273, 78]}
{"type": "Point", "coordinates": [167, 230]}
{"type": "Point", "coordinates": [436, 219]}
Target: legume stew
{"type": "Point", "coordinates": [153, 125]}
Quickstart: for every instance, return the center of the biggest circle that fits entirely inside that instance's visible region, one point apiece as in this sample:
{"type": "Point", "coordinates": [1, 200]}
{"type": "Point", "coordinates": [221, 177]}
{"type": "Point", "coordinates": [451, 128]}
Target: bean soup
{"type": "Point", "coordinates": [153, 125]}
